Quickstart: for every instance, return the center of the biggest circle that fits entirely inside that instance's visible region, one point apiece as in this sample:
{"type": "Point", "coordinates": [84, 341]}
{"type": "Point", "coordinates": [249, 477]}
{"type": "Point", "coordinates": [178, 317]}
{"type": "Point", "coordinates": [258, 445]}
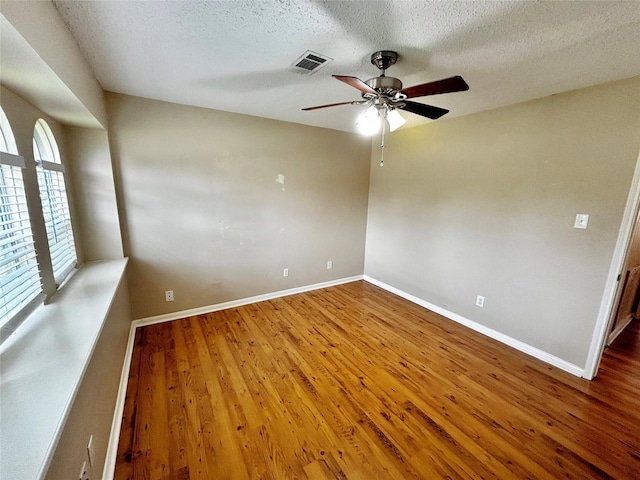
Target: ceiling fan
{"type": "Point", "coordinates": [385, 94]}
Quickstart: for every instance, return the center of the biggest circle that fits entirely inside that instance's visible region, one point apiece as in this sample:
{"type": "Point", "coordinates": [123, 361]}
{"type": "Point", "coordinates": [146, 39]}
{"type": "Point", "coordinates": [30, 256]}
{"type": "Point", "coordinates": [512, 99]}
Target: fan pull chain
{"type": "Point", "coordinates": [384, 124]}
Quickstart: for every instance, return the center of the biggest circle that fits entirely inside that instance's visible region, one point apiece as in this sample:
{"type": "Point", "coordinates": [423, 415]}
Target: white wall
{"type": "Point", "coordinates": [485, 204]}
{"type": "Point", "coordinates": [60, 81]}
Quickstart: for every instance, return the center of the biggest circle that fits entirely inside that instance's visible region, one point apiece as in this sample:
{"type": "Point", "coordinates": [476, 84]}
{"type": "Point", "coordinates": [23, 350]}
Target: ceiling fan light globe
{"type": "Point", "coordinates": [369, 122]}
{"type": "Point", "coordinates": [369, 126]}
{"type": "Point", "coordinates": [395, 120]}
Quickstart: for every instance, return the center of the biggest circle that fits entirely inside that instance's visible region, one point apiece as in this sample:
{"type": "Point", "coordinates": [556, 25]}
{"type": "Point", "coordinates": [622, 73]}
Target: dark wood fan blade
{"type": "Point", "coordinates": [428, 111]}
{"type": "Point", "coordinates": [446, 85]}
{"type": "Point", "coordinates": [356, 83]}
{"type": "Point", "coordinates": [332, 105]}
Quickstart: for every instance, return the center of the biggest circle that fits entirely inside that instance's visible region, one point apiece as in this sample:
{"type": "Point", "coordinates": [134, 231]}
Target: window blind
{"type": "Point", "coordinates": [19, 273]}
{"type": "Point", "coordinates": [55, 206]}
{"type": "Point", "coordinates": [57, 218]}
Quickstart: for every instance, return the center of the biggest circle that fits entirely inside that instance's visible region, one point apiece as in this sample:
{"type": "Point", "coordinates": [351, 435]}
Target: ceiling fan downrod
{"type": "Point", "coordinates": [383, 84]}
{"type": "Point", "coordinates": [384, 59]}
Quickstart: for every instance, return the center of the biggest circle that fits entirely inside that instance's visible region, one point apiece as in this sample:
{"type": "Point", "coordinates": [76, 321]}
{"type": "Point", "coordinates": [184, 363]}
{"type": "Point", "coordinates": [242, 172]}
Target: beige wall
{"type": "Point", "coordinates": [90, 170]}
{"type": "Point", "coordinates": [215, 205]}
{"type": "Point", "coordinates": [94, 405]}
{"type": "Point", "coordinates": [485, 205]}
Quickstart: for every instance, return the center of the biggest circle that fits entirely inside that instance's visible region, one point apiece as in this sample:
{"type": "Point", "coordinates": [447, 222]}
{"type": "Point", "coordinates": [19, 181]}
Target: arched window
{"type": "Point", "coordinates": [55, 205]}
{"type": "Point", "coordinates": [7, 140]}
{"type": "Point", "coordinates": [19, 274]}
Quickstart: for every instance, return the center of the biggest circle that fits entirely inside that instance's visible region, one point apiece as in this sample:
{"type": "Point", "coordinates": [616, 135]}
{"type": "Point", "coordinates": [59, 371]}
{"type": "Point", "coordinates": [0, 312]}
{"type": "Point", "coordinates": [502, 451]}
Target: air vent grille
{"type": "Point", "coordinates": [310, 62]}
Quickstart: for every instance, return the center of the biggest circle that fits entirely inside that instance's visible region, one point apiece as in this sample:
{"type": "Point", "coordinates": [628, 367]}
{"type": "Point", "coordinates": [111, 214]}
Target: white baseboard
{"type": "Point", "coordinates": [112, 448]}
{"type": "Point", "coordinates": [240, 302]}
{"type": "Point", "coordinates": [501, 337]}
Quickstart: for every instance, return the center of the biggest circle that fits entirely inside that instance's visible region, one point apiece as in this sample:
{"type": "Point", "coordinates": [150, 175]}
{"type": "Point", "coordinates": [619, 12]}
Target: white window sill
{"type": "Point", "coordinates": [42, 365]}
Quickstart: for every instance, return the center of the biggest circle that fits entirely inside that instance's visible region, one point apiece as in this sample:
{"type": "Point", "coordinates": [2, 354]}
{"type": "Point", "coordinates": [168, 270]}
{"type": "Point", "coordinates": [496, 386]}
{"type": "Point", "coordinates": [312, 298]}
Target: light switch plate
{"type": "Point", "coordinates": [582, 220]}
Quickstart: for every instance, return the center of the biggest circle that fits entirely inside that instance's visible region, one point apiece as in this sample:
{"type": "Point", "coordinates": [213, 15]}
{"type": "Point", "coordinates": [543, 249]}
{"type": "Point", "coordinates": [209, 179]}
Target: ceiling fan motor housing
{"type": "Point", "coordinates": [385, 85]}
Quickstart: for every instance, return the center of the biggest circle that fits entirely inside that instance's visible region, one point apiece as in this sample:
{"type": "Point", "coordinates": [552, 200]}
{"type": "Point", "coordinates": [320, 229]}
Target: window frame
{"type": "Point", "coordinates": [44, 163]}
{"type": "Point", "coordinates": [24, 273]}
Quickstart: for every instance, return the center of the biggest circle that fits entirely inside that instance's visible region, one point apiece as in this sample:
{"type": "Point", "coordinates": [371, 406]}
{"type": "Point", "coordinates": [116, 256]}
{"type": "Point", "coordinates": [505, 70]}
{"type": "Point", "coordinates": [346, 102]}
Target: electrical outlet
{"type": "Point", "coordinates": [84, 474]}
{"type": "Point", "coordinates": [329, 264]}
{"type": "Point", "coordinates": [480, 301]}
{"type": "Point", "coordinates": [285, 272]}
{"type": "Point", "coordinates": [168, 296]}
{"type": "Point", "coordinates": [91, 451]}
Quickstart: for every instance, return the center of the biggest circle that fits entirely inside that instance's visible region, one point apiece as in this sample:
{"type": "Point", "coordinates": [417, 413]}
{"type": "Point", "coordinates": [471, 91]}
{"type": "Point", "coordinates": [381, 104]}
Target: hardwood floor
{"type": "Point", "coordinates": [352, 382]}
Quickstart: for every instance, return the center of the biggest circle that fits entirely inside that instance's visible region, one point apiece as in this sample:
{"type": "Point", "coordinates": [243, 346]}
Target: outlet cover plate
{"type": "Point", "coordinates": [84, 474]}
{"type": "Point", "coordinates": [582, 220]}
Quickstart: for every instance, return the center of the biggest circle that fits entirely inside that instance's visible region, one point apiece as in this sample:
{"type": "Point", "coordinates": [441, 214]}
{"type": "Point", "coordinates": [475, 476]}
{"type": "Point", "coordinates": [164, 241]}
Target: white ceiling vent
{"type": "Point", "coordinates": [310, 62]}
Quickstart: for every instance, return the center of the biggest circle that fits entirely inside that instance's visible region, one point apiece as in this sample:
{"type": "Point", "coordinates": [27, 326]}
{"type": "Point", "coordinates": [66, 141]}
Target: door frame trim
{"type": "Point", "coordinates": [608, 302]}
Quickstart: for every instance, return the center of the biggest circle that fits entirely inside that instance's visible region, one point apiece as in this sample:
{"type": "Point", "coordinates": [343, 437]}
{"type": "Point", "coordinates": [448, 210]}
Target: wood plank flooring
{"type": "Point", "coordinates": [352, 382]}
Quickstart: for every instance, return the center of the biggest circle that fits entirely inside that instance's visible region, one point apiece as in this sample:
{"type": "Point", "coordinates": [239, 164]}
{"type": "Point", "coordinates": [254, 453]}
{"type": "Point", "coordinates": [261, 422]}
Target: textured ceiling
{"type": "Point", "coordinates": [236, 55]}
